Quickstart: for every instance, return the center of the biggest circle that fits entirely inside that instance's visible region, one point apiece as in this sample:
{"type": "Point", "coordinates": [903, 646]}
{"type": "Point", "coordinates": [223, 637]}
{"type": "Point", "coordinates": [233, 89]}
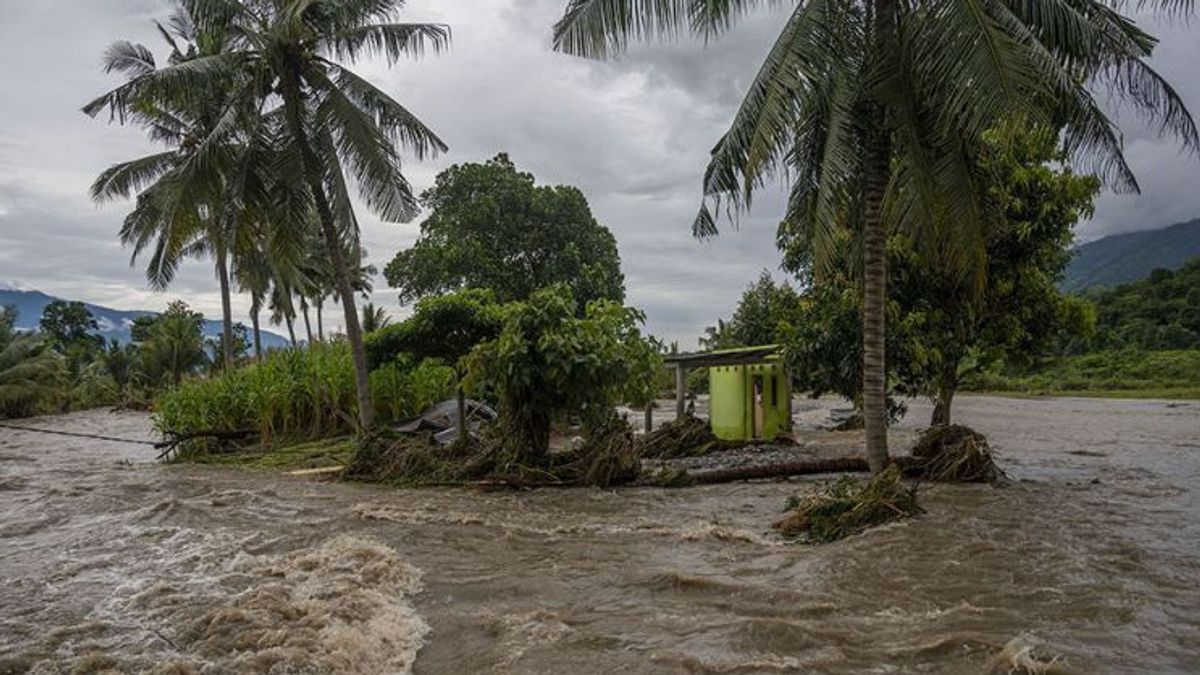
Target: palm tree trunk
{"type": "Point", "coordinates": [254, 323]}
{"type": "Point", "coordinates": [290, 319]}
{"type": "Point", "coordinates": [226, 307]}
{"type": "Point", "coordinates": [307, 325]}
{"type": "Point", "coordinates": [320, 323]}
{"type": "Point", "coordinates": [875, 294]}
{"type": "Point", "coordinates": [313, 174]}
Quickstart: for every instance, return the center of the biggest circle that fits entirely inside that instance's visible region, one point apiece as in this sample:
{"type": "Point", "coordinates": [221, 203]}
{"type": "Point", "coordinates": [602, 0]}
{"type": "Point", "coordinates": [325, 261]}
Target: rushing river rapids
{"type": "Point", "coordinates": [112, 563]}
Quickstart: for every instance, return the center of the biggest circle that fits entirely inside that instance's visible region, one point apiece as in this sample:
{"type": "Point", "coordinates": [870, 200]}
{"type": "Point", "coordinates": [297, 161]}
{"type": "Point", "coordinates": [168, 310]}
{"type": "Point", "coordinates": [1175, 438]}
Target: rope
{"type": "Point", "coordinates": [76, 434]}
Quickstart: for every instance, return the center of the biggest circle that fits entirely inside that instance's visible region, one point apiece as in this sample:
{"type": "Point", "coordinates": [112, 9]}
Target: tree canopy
{"type": "Point", "coordinates": [491, 226]}
{"type": "Point", "coordinates": [549, 361]}
{"type": "Point", "coordinates": [941, 326]}
{"type": "Point", "coordinates": [760, 318]}
{"type": "Point", "coordinates": [1161, 311]}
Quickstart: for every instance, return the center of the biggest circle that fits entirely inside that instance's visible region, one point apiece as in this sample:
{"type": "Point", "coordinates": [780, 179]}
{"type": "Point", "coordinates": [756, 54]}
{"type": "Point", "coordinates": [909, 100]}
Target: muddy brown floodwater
{"type": "Point", "coordinates": [110, 562]}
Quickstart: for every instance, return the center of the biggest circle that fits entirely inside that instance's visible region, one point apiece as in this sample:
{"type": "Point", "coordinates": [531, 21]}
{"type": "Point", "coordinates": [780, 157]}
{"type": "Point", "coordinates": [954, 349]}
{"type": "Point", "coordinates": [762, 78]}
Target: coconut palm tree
{"type": "Point", "coordinates": [873, 108]}
{"type": "Point", "coordinates": [285, 61]}
{"type": "Point", "coordinates": [190, 197]}
{"type": "Point", "coordinates": [374, 318]}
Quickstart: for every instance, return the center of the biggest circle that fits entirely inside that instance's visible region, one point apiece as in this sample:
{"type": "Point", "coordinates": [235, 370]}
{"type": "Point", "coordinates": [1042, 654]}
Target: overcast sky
{"type": "Point", "coordinates": [633, 135]}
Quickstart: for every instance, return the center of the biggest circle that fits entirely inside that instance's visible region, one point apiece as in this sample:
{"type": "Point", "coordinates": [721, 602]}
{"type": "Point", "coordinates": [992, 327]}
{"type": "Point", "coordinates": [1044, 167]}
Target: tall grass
{"type": "Point", "coordinates": [298, 394]}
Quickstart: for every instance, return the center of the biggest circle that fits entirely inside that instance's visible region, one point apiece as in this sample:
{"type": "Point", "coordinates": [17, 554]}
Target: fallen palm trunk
{"type": "Point", "coordinates": [801, 467]}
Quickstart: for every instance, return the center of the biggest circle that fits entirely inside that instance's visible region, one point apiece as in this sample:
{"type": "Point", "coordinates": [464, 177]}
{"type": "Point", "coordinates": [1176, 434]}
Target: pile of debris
{"type": "Point", "coordinates": [953, 454]}
{"type": "Point", "coordinates": [688, 436]}
{"type": "Point", "coordinates": [848, 506]}
{"type": "Point", "coordinates": [441, 421]}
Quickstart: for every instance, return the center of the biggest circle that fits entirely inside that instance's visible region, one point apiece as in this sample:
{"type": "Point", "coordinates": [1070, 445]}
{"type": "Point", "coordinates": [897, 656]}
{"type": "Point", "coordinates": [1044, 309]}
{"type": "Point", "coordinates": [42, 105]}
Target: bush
{"type": "Point", "coordinates": [298, 394]}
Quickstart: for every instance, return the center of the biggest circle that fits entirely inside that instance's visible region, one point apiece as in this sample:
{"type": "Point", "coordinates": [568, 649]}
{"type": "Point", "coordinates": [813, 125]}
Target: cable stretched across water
{"type": "Point", "coordinates": [78, 434]}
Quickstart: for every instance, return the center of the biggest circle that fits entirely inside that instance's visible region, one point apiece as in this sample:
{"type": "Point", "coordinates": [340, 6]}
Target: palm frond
{"type": "Point", "coordinates": [394, 41]}
{"type": "Point", "coordinates": [124, 179]}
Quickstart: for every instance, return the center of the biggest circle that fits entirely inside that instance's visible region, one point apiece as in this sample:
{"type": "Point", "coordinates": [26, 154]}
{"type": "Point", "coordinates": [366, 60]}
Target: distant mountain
{"type": "Point", "coordinates": [1123, 258]}
{"type": "Point", "coordinates": [114, 323]}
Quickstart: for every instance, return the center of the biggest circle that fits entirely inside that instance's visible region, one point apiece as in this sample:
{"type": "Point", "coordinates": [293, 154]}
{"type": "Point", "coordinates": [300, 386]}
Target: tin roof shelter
{"type": "Point", "coordinates": [749, 390]}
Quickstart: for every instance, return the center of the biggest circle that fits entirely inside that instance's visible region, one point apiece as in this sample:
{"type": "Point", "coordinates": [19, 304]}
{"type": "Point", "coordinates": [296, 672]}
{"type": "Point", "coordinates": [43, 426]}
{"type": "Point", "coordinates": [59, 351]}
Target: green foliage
{"type": "Point", "coordinates": [549, 361]}
{"type": "Point", "coordinates": [69, 325]}
{"type": "Point", "coordinates": [444, 327]}
{"type": "Point", "coordinates": [491, 227]}
{"type": "Point", "coordinates": [216, 346]}
{"type": "Point", "coordinates": [374, 318]}
{"type": "Point", "coordinates": [1159, 312]}
{"type": "Point", "coordinates": [1127, 372]}
{"type": "Point", "coordinates": [1011, 308]}
{"type": "Point", "coordinates": [30, 370]}
{"type": "Point", "coordinates": [298, 394]}
{"type": "Point", "coordinates": [173, 345]}
{"type": "Point", "coordinates": [944, 323]}
{"type": "Point", "coordinates": [761, 316]}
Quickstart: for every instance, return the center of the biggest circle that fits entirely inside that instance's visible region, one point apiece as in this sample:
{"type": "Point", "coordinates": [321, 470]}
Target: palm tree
{"type": "Point", "coordinates": [29, 369]}
{"type": "Point", "coordinates": [288, 52]}
{"type": "Point", "coordinates": [189, 197]}
{"type": "Point", "coordinates": [374, 318]}
{"type": "Point", "coordinates": [873, 108]}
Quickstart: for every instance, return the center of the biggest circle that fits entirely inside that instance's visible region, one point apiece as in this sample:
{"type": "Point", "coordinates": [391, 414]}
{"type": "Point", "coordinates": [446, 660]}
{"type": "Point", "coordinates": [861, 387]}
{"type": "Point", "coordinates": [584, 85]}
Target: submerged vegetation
{"type": "Point", "coordinates": [848, 506]}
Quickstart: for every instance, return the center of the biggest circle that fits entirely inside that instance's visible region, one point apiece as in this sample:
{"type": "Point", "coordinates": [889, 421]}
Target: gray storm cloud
{"type": "Point", "coordinates": [632, 134]}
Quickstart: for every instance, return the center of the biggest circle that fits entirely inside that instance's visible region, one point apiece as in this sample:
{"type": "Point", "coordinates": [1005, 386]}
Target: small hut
{"type": "Point", "coordinates": [750, 392]}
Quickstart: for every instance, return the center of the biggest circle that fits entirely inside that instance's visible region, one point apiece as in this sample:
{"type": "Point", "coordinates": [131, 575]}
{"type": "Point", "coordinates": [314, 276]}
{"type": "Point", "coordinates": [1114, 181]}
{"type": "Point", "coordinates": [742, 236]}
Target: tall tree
{"type": "Point", "coordinates": [191, 197]}
{"type": "Point", "coordinates": [491, 226]}
{"type": "Point", "coordinates": [872, 107]}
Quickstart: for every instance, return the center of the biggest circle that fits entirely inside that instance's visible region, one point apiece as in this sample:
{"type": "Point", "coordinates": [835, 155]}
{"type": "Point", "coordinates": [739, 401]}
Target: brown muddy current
{"type": "Point", "coordinates": [110, 562]}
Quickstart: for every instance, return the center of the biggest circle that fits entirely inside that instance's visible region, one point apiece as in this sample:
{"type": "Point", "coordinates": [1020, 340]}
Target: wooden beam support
{"type": "Point", "coordinates": [680, 390]}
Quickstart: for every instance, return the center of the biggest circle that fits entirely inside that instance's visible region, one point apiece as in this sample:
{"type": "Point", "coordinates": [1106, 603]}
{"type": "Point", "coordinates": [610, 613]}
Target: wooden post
{"type": "Point", "coordinates": [680, 390]}
{"type": "Point", "coordinates": [649, 417]}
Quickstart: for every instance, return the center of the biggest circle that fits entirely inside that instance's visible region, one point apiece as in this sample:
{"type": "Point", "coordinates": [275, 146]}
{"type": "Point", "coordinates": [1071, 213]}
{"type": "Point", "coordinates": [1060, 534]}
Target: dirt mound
{"type": "Point", "coordinates": [954, 453]}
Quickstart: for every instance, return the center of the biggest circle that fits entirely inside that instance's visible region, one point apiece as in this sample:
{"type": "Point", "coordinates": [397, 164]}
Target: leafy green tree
{"type": "Point", "coordinates": [491, 226]}
{"type": "Point", "coordinates": [69, 324]}
{"type": "Point", "coordinates": [29, 369]}
{"type": "Point", "coordinates": [174, 344]}
{"type": "Point", "coordinates": [550, 361]}
{"type": "Point", "coordinates": [941, 327]}
{"type": "Point", "coordinates": [1158, 313]}
{"type": "Point", "coordinates": [872, 107]}
{"type": "Point", "coordinates": [950, 329]}
{"type": "Point", "coordinates": [762, 312]}
{"type": "Point", "coordinates": [446, 328]}
{"type": "Point", "coordinates": [122, 364]}
{"type": "Point", "coordinates": [193, 198]}
{"type": "Point", "coordinates": [373, 319]}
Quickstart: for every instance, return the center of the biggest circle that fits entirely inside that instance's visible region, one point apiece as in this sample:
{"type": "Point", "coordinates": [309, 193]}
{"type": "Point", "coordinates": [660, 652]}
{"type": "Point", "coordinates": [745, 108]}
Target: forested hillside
{"type": "Point", "coordinates": [1123, 258]}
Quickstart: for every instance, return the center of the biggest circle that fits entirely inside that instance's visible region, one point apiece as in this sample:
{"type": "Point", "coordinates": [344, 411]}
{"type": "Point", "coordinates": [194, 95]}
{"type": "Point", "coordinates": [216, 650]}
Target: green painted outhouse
{"type": "Point", "coordinates": [750, 393]}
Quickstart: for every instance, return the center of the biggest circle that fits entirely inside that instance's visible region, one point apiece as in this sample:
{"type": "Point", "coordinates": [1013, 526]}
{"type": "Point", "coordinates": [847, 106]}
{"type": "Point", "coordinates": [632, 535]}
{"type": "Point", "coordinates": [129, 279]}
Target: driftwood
{"type": "Point", "coordinates": [174, 440]}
